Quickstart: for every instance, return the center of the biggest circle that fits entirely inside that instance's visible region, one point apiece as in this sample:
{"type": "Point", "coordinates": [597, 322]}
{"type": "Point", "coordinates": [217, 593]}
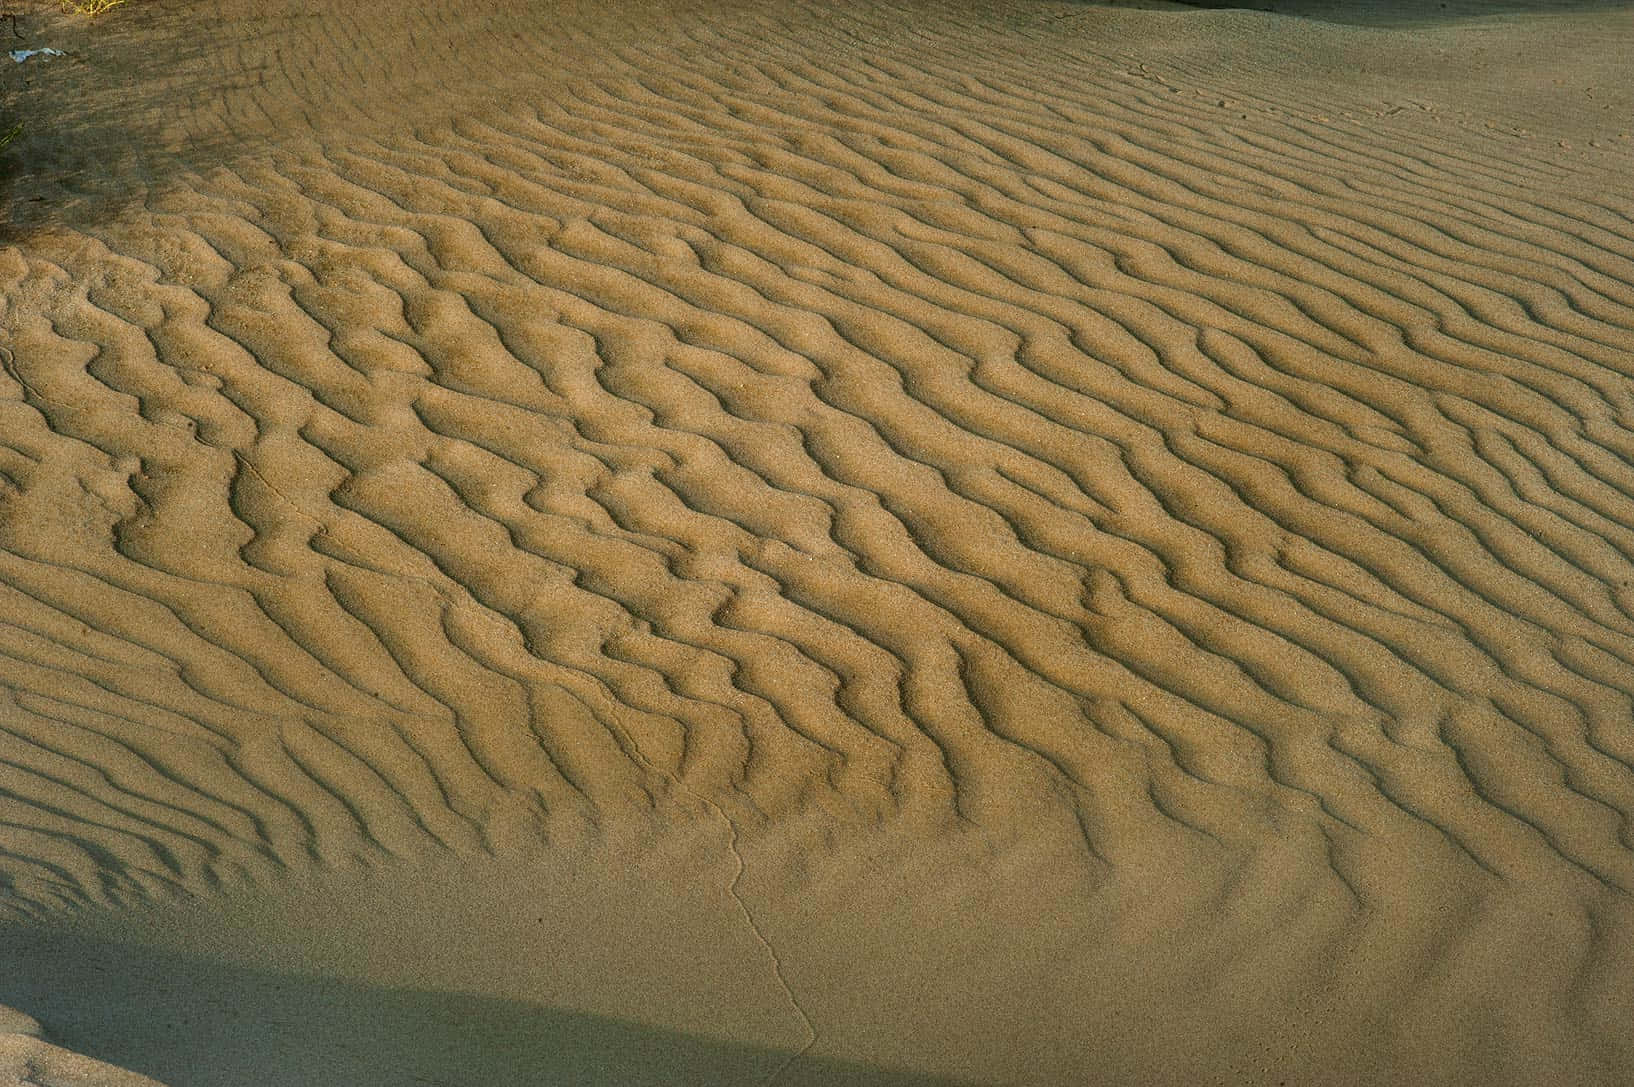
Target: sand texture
{"type": "Point", "coordinates": [27, 1060]}
{"type": "Point", "coordinates": [1018, 542]}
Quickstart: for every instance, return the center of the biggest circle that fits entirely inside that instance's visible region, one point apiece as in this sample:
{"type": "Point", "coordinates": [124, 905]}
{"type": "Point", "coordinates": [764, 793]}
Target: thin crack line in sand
{"type": "Point", "coordinates": [268, 484]}
{"type": "Point", "coordinates": [8, 362]}
{"type": "Point", "coordinates": [771, 952]}
{"type": "Point", "coordinates": [446, 599]}
{"type": "Point", "coordinates": [743, 907]}
{"type": "Point", "coordinates": [720, 813]}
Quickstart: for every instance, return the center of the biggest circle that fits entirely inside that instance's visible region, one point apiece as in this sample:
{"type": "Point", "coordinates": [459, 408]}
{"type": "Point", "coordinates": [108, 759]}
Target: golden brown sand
{"type": "Point", "coordinates": [857, 543]}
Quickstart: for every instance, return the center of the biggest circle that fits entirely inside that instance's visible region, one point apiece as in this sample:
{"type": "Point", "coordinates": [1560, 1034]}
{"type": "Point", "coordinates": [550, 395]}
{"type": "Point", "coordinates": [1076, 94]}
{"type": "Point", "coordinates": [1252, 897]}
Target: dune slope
{"type": "Point", "coordinates": [1187, 451]}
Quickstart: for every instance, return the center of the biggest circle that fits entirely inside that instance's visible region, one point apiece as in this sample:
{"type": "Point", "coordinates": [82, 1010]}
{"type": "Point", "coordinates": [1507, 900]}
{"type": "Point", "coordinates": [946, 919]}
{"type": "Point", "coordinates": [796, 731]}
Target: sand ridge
{"type": "Point", "coordinates": [28, 1060]}
{"type": "Point", "coordinates": [947, 431]}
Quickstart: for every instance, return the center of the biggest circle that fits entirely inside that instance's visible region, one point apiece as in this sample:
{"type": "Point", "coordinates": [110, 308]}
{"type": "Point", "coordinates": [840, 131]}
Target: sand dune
{"type": "Point", "coordinates": [27, 1060]}
{"type": "Point", "coordinates": [1038, 543]}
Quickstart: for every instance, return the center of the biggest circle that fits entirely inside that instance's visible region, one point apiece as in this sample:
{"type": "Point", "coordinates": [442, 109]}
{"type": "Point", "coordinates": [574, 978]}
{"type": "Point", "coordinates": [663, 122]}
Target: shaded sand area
{"type": "Point", "coordinates": [854, 543]}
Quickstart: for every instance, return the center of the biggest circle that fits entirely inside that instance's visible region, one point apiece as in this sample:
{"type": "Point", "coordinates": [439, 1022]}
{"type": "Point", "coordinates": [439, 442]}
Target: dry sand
{"type": "Point", "coordinates": [819, 543]}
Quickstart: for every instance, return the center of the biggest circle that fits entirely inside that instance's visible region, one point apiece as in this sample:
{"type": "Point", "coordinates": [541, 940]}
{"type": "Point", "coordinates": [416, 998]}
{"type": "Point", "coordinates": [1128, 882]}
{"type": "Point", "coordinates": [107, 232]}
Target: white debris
{"type": "Point", "coordinates": [20, 55]}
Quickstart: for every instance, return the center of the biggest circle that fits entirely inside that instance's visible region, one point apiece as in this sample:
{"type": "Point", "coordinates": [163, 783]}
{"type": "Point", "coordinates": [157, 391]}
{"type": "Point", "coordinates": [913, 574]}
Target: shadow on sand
{"type": "Point", "coordinates": [1403, 12]}
{"type": "Point", "coordinates": [194, 1023]}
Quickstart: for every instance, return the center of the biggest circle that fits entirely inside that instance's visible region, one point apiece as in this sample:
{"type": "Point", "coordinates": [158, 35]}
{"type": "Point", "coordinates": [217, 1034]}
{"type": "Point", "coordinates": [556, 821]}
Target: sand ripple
{"type": "Point", "coordinates": [825, 414]}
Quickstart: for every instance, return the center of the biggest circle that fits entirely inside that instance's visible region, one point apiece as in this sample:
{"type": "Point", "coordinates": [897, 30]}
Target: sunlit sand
{"type": "Point", "coordinates": [851, 543]}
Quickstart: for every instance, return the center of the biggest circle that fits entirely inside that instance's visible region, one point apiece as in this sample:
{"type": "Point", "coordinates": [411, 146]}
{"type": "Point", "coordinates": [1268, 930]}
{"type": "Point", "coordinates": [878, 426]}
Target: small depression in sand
{"type": "Point", "coordinates": [864, 542]}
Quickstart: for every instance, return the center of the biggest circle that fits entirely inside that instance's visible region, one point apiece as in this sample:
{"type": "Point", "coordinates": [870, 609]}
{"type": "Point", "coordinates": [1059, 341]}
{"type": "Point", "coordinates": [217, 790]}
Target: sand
{"type": "Point", "coordinates": [871, 542]}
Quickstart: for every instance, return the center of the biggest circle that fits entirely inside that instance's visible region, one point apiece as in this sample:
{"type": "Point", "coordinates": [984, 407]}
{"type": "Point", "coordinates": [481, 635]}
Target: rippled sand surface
{"type": "Point", "coordinates": [868, 542]}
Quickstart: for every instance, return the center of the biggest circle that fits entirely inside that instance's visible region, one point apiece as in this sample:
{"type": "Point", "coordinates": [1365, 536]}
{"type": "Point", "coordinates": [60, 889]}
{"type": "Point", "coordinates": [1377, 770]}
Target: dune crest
{"type": "Point", "coordinates": [28, 1060]}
